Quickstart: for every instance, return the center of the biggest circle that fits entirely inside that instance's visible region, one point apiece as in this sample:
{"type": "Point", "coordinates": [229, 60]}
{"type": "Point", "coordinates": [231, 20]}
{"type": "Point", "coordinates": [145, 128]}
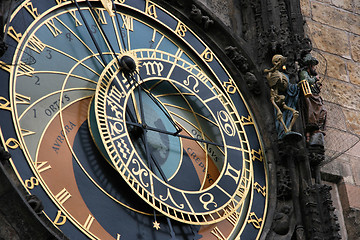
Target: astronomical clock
{"type": "Point", "coordinates": [127, 124]}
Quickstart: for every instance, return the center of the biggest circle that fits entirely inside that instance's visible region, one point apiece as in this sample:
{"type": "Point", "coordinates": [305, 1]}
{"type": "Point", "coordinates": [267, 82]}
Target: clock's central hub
{"type": "Point", "coordinates": [127, 64]}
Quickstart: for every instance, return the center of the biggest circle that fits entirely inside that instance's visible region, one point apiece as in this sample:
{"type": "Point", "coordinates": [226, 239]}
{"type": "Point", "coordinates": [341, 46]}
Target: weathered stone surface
{"type": "Point", "coordinates": [355, 167]}
{"type": "Point", "coordinates": [351, 191]}
{"type": "Point", "coordinates": [354, 72]}
{"type": "Point", "coordinates": [220, 9]}
{"type": "Point", "coordinates": [335, 17]}
{"type": "Point", "coordinates": [305, 8]}
{"type": "Point", "coordinates": [344, 4]}
{"type": "Point", "coordinates": [353, 120]}
{"type": "Point", "coordinates": [339, 92]}
{"type": "Point", "coordinates": [329, 39]}
{"type": "Point", "coordinates": [335, 116]}
{"type": "Point", "coordinates": [334, 66]}
{"type": "Point", "coordinates": [355, 46]}
{"type": "Point", "coordinates": [340, 167]}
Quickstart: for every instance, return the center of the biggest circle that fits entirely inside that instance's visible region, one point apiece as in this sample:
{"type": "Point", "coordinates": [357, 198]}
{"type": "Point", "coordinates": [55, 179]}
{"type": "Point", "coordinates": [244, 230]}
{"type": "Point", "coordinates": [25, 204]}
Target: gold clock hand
{"type": "Point", "coordinates": [108, 5]}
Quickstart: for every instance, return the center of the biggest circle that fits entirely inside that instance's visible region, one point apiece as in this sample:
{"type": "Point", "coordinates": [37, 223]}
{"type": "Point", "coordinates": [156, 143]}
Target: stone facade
{"type": "Point", "coordinates": [334, 28]}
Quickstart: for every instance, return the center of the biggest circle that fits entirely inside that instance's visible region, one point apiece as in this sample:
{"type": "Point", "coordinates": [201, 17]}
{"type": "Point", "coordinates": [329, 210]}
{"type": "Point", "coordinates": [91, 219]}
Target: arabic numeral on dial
{"type": "Point", "coordinates": [226, 124]}
{"type": "Point", "coordinates": [48, 54]}
{"type": "Point", "coordinates": [37, 81]}
{"type": "Point", "coordinates": [31, 183]}
{"type": "Point", "coordinates": [34, 113]}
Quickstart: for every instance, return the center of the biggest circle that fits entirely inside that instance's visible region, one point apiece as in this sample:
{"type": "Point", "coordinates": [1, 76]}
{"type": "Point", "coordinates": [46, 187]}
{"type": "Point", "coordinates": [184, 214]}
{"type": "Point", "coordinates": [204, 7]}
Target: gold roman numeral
{"type": "Point", "coordinates": [101, 15]}
{"type": "Point", "coordinates": [25, 132]}
{"type": "Point", "coordinates": [12, 33]}
{"type": "Point", "coordinates": [89, 222]}
{"type": "Point", "coordinates": [42, 166]}
{"type": "Point", "coordinates": [73, 14]}
{"type": "Point", "coordinates": [53, 29]}
{"type": "Point", "coordinates": [22, 99]}
{"type": "Point", "coordinates": [128, 22]}
{"type": "Point", "coordinates": [25, 69]}
{"type": "Point", "coordinates": [63, 196]}
{"type": "Point", "coordinates": [35, 44]}
{"type": "Point", "coordinates": [218, 234]}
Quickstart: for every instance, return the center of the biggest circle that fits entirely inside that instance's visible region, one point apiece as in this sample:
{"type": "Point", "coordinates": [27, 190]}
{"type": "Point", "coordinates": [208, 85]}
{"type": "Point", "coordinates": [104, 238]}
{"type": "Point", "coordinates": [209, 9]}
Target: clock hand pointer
{"type": "Point", "coordinates": [144, 126]}
{"type": "Point", "coordinates": [90, 32]}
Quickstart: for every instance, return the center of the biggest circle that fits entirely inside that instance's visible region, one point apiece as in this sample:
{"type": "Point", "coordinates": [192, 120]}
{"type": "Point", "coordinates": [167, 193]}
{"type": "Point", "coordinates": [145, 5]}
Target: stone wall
{"type": "Point", "coordinates": [334, 28]}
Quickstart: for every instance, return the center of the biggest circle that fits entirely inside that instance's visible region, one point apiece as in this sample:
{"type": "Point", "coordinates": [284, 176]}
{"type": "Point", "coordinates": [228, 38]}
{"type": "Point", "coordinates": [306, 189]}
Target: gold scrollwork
{"type": "Point", "coordinates": [140, 172]}
{"type": "Point", "coordinates": [206, 203]}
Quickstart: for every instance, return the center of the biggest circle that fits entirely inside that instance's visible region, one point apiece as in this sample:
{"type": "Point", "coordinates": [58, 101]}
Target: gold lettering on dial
{"type": "Point", "coordinates": [128, 22]}
{"type": "Point", "coordinates": [101, 15]}
{"type": "Point", "coordinates": [60, 219]}
{"type": "Point", "coordinates": [151, 66]}
{"type": "Point", "coordinates": [181, 29]}
{"type": "Point", "coordinates": [230, 88]}
{"type": "Point", "coordinates": [207, 202]}
{"type": "Point", "coordinates": [254, 220]}
{"type": "Point", "coordinates": [118, 237]}
{"type": "Point", "coordinates": [218, 234]}
{"type": "Point", "coordinates": [42, 166]}
{"type": "Point", "coordinates": [31, 183]}
{"type": "Point", "coordinates": [25, 69]}
{"type": "Point", "coordinates": [232, 172]}
{"type": "Point", "coordinates": [60, 1]}
{"type": "Point", "coordinates": [25, 132]}
{"type": "Point", "coordinates": [90, 219]}
{"type": "Point", "coordinates": [207, 55]}
{"type": "Point", "coordinates": [12, 143]}
{"type": "Point", "coordinates": [63, 196]}
{"type": "Point", "coordinates": [22, 99]}
{"type": "Point", "coordinates": [260, 189]}
{"type": "Point", "coordinates": [73, 14]}
{"type": "Point", "coordinates": [12, 33]}
{"type": "Point", "coordinates": [33, 11]}
{"type": "Point", "coordinates": [150, 9]}
{"type": "Point", "coordinates": [35, 44]}
{"type": "Point", "coordinates": [52, 27]}
{"type": "Point", "coordinates": [257, 155]}
{"type": "Point", "coordinates": [5, 104]}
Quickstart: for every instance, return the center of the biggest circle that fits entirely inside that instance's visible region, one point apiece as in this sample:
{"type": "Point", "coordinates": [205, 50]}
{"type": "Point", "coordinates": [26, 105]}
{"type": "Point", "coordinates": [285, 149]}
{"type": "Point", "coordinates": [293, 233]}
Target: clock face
{"type": "Point", "coordinates": [127, 125]}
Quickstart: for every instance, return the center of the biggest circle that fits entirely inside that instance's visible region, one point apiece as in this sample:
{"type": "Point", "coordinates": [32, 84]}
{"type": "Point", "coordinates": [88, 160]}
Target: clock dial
{"type": "Point", "coordinates": [127, 125]}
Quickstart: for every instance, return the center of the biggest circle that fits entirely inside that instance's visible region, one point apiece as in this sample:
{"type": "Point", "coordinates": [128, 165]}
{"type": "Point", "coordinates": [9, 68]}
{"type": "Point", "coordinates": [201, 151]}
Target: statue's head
{"type": "Point", "coordinates": [278, 60]}
{"type": "Point", "coordinates": [309, 60]}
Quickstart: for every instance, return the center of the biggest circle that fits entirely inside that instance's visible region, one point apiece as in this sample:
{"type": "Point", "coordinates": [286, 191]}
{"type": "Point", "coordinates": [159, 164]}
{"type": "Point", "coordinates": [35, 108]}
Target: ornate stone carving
{"type": "Point", "coordinates": [237, 58]}
{"type": "Point", "coordinates": [199, 18]}
{"type": "Point", "coordinates": [284, 185]}
{"type": "Point", "coordinates": [281, 221]}
{"type": "Point", "coordinates": [35, 203]}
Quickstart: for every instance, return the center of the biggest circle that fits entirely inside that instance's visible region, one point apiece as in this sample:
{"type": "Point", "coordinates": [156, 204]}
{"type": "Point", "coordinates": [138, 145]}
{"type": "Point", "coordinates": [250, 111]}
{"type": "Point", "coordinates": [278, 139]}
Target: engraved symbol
{"type": "Point", "coordinates": [232, 172]}
{"type": "Point", "coordinates": [123, 148]}
{"type": "Point", "coordinates": [254, 220]}
{"type": "Point", "coordinates": [260, 189]}
{"type": "Point", "coordinates": [59, 219]}
{"type": "Point", "coordinates": [31, 183]}
{"type": "Point", "coordinates": [115, 128]}
{"type": "Point", "coordinates": [247, 120]}
{"type": "Point", "coordinates": [230, 88]}
{"type": "Point", "coordinates": [226, 124]}
{"type": "Point", "coordinates": [151, 66]}
{"type": "Point", "coordinates": [169, 196]}
{"type": "Point", "coordinates": [206, 203]}
{"type": "Point", "coordinates": [187, 83]}
{"type": "Point", "coordinates": [181, 29]}
{"type": "Point", "coordinates": [140, 172]}
{"type": "Point", "coordinates": [207, 55]}
{"type": "Point", "coordinates": [257, 155]}
{"type": "Point", "coordinates": [12, 143]}
{"type": "Point", "coordinates": [150, 9]}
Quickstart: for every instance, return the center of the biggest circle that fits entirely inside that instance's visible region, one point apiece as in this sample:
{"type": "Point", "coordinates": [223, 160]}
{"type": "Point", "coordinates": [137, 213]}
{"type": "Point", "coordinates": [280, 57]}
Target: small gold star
{"type": "Point", "coordinates": [156, 225]}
